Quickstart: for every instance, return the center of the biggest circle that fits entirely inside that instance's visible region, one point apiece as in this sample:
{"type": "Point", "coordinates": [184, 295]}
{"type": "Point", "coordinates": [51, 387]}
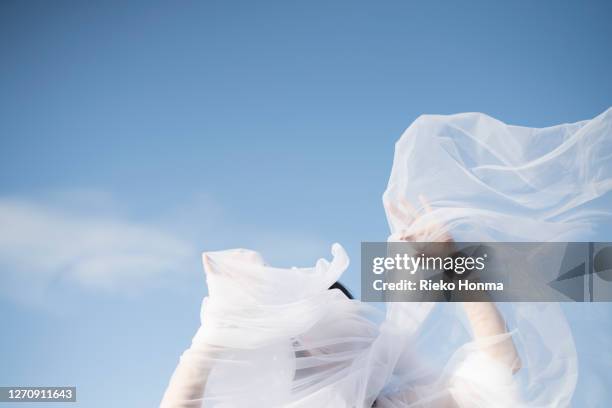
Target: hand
{"type": "Point", "coordinates": [421, 226]}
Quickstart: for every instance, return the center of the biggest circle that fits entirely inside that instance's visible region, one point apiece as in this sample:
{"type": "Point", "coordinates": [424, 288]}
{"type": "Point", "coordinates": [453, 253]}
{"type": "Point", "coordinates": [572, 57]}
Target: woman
{"type": "Point", "coordinates": [335, 352]}
{"type": "Point", "coordinates": [274, 337]}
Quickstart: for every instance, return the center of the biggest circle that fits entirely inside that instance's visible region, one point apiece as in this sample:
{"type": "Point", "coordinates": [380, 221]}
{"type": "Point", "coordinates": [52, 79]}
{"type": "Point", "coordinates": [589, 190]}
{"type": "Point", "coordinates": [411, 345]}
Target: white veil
{"type": "Point", "coordinates": [488, 181]}
{"type": "Point", "coordinates": [273, 337]}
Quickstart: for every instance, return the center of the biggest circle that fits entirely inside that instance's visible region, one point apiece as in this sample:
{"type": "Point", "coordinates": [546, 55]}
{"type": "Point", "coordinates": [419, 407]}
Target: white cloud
{"type": "Point", "coordinates": [83, 239]}
{"type": "Point", "coordinates": [40, 244]}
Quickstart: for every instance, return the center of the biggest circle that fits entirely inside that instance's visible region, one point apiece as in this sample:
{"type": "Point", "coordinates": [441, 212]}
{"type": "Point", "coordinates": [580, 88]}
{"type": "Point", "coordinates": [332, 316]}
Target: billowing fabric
{"type": "Point", "coordinates": [489, 181]}
{"type": "Point", "coordinates": [275, 337]}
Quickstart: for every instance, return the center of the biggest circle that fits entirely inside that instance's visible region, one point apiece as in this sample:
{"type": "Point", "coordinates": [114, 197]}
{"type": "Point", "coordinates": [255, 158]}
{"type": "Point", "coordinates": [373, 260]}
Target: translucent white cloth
{"type": "Point", "coordinates": [274, 337]}
{"type": "Point", "coordinates": [488, 181]}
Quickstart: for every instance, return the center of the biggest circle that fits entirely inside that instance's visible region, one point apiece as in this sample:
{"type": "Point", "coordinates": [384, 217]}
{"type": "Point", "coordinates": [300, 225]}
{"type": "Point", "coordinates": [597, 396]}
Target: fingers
{"type": "Point", "coordinates": [406, 212]}
{"type": "Point", "coordinates": [417, 225]}
{"type": "Point", "coordinates": [399, 214]}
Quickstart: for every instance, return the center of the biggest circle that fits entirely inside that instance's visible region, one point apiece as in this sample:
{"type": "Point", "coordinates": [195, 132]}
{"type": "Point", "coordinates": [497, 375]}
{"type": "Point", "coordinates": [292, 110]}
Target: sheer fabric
{"type": "Point", "coordinates": [277, 337]}
{"type": "Point", "coordinates": [274, 337]}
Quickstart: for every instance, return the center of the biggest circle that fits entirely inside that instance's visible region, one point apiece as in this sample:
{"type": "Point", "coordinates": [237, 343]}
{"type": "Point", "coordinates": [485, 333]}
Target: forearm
{"type": "Point", "coordinates": [188, 382]}
{"type": "Point", "coordinates": [486, 322]}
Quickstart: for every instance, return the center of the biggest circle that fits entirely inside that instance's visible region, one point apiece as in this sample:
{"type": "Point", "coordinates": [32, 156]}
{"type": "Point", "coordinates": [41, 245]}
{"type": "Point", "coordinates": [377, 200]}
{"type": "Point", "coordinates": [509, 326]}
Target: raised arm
{"type": "Point", "coordinates": [188, 382]}
{"type": "Point", "coordinates": [484, 318]}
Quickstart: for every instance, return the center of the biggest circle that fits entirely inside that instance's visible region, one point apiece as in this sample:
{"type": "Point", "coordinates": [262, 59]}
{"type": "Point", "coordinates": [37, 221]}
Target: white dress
{"type": "Point", "coordinates": [274, 337]}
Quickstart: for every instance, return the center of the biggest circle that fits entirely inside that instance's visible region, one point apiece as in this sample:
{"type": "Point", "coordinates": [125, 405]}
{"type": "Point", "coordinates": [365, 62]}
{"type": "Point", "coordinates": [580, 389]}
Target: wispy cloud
{"type": "Point", "coordinates": [84, 240]}
{"type": "Point", "coordinates": [41, 244]}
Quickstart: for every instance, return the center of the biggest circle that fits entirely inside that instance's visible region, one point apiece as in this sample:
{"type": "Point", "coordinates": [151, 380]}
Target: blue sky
{"type": "Point", "coordinates": [134, 135]}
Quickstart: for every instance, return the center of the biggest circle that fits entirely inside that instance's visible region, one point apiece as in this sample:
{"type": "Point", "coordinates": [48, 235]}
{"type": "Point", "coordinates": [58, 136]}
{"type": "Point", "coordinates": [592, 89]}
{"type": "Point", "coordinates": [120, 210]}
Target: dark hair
{"type": "Point", "coordinates": [344, 290]}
